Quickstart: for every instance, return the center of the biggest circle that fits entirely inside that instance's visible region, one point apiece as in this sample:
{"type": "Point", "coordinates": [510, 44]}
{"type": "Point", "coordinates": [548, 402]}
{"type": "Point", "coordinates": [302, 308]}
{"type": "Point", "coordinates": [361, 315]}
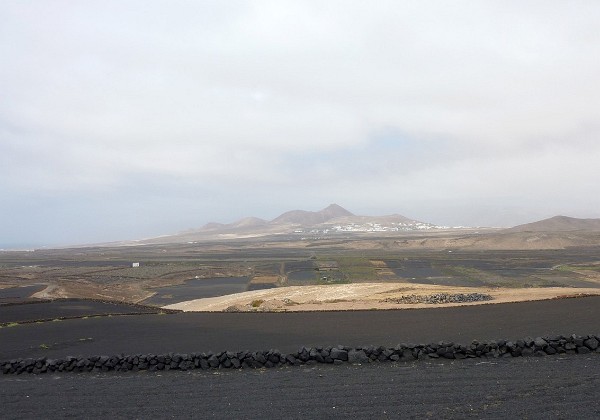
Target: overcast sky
{"type": "Point", "coordinates": [129, 119]}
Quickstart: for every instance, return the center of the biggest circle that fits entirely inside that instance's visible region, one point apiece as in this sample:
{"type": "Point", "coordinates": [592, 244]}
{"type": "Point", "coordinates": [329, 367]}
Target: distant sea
{"type": "Point", "coordinates": [20, 246]}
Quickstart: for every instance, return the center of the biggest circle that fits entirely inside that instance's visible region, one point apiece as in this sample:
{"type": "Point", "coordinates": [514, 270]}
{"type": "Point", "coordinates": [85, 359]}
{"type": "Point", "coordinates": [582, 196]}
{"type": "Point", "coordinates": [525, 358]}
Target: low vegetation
{"type": "Point", "coordinates": [256, 303]}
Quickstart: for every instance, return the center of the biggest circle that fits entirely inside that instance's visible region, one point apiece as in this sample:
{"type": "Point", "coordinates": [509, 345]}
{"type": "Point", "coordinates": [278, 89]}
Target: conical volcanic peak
{"type": "Point", "coordinates": [333, 210]}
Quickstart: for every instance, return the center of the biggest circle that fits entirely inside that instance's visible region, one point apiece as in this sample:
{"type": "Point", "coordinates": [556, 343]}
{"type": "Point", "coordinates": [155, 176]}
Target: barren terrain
{"type": "Point", "coordinates": [174, 273]}
{"type": "Point", "coordinates": [531, 388]}
{"type": "Point", "coordinates": [347, 276]}
{"type": "Point", "coordinates": [363, 296]}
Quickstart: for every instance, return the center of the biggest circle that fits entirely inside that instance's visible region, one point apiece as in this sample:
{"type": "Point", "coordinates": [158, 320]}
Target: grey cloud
{"type": "Point", "coordinates": [391, 107]}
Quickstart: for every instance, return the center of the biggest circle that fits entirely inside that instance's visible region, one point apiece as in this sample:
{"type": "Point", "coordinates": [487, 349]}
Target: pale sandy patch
{"type": "Point", "coordinates": [361, 296]}
{"type": "Point", "coordinates": [265, 280]}
{"type": "Point", "coordinates": [52, 291]}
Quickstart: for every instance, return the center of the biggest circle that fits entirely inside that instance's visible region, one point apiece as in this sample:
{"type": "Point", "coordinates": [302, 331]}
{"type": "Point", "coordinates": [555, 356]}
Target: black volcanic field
{"type": "Point", "coordinates": [557, 386]}
{"type": "Point", "coordinates": [526, 387]}
{"type": "Point", "coordinates": [203, 332]}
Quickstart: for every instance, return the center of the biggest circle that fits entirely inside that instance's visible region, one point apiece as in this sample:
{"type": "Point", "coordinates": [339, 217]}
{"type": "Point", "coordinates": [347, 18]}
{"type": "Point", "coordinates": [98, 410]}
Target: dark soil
{"type": "Point", "coordinates": [197, 289]}
{"type": "Point", "coordinates": [302, 277]}
{"type": "Point", "coordinates": [413, 268]}
{"type": "Point", "coordinates": [197, 332]}
{"type": "Point", "coordinates": [66, 308]}
{"type": "Point", "coordinates": [549, 387]}
{"type": "Point", "coordinates": [12, 294]}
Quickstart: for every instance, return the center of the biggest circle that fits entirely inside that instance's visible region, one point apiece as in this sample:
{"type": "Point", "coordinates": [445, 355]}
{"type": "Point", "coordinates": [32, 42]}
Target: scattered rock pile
{"type": "Point", "coordinates": [539, 346]}
{"type": "Point", "coordinates": [259, 305]}
{"type": "Point", "coordinates": [437, 298]}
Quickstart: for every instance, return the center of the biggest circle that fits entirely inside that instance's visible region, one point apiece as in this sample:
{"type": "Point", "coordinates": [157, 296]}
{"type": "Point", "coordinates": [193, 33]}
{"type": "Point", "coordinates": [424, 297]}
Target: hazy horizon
{"type": "Point", "coordinates": [37, 245]}
{"type": "Point", "coordinates": [130, 120]}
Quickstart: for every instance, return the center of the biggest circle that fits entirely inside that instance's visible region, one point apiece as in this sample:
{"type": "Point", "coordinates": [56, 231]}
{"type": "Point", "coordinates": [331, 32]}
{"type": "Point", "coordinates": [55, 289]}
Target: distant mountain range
{"type": "Point", "coordinates": [553, 233]}
{"type": "Point", "coordinates": [295, 217]}
{"type": "Point", "coordinates": [312, 218]}
{"type": "Point", "coordinates": [331, 219]}
{"type": "Point", "coordinates": [335, 219]}
{"type": "Point", "coordinates": [559, 224]}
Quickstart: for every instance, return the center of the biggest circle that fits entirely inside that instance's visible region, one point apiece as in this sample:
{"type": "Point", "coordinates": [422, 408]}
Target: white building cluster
{"type": "Point", "coordinates": [372, 227]}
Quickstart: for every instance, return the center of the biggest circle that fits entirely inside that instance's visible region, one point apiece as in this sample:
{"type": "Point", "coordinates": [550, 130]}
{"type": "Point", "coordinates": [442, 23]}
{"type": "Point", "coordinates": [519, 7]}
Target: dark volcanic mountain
{"type": "Point", "coordinates": [332, 220]}
{"type": "Point", "coordinates": [559, 224]}
{"type": "Point", "coordinates": [311, 218]}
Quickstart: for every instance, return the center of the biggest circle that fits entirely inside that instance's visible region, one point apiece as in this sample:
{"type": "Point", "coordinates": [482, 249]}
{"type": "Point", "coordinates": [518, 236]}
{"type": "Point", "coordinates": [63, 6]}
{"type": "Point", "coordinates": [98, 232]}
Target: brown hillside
{"type": "Point", "coordinates": [559, 224]}
{"type": "Point", "coordinates": [311, 218]}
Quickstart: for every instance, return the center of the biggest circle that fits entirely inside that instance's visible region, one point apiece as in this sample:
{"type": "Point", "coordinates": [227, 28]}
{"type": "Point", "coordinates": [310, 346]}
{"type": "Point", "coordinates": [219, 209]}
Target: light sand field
{"type": "Point", "coordinates": [362, 296]}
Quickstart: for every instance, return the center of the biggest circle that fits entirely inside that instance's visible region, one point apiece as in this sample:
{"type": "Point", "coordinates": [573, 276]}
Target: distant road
{"type": "Point", "coordinates": [196, 332]}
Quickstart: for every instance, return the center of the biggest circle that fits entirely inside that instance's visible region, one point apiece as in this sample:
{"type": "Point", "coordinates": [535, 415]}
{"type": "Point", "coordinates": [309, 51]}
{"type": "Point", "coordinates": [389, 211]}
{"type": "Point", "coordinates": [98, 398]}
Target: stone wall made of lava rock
{"type": "Point", "coordinates": [439, 298]}
{"type": "Point", "coordinates": [540, 346]}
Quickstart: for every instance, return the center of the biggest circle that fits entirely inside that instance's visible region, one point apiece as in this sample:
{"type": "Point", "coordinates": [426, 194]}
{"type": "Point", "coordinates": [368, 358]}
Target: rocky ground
{"type": "Point", "coordinates": [438, 298]}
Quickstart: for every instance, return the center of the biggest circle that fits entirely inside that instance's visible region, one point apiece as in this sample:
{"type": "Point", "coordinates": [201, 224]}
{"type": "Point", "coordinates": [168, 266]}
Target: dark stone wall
{"type": "Point", "coordinates": [540, 346]}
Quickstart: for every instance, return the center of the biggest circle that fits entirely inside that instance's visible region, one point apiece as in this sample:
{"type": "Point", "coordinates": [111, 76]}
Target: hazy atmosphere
{"type": "Point", "coordinates": [123, 120]}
